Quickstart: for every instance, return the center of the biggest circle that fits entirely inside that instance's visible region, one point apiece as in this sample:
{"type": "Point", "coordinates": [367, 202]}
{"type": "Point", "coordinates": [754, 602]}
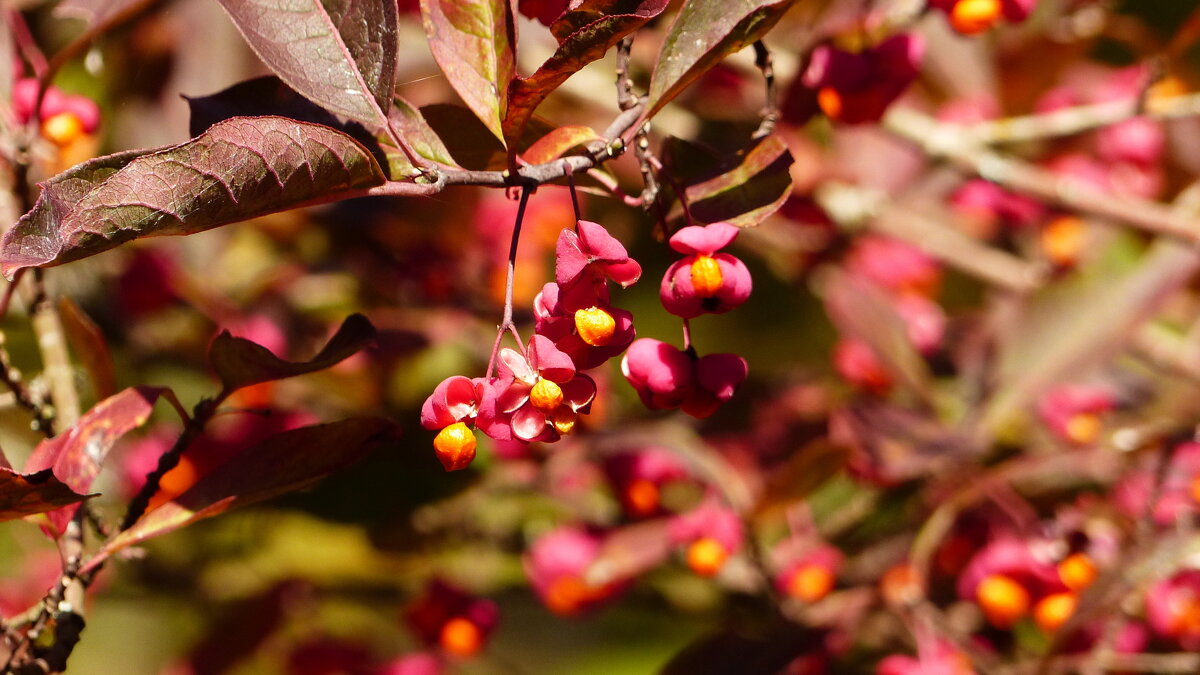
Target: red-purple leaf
{"type": "Point", "coordinates": [238, 169]}
{"type": "Point", "coordinates": [88, 343]}
{"type": "Point", "coordinates": [339, 53]}
{"type": "Point", "coordinates": [704, 33]}
{"type": "Point", "coordinates": [554, 144]}
{"type": "Point", "coordinates": [586, 44]}
{"type": "Point", "coordinates": [76, 455]}
{"type": "Point", "coordinates": [241, 363]}
{"type": "Point", "coordinates": [474, 42]}
{"type": "Point", "coordinates": [748, 189]}
{"type": "Point", "coordinates": [38, 492]}
{"type": "Point", "coordinates": [288, 461]}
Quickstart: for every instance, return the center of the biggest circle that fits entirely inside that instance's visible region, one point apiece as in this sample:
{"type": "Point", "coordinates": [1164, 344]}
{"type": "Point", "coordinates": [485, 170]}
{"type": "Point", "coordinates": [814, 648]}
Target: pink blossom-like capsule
{"type": "Point", "coordinates": [894, 265]}
{"type": "Point", "coordinates": [665, 377]}
{"type": "Point", "coordinates": [638, 477]}
{"type": "Point", "coordinates": [1173, 608]}
{"type": "Point", "coordinates": [590, 334]}
{"type": "Point", "coordinates": [448, 617]}
{"type": "Point", "coordinates": [970, 17]}
{"type": "Point", "coordinates": [592, 246]}
{"type": "Point", "coordinates": [855, 88]}
{"type": "Point", "coordinates": [1178, 495]}
{"type": "Point", "coordinates": [704, 282]}
{"type": "Point", "coordinates": [711, 532]}
{"type": "Point", "coordinates": [455, 399]}
{"type": "Point", "coordinates": [1074, 412]}
{"type": "Point", "coordinates": [812, 576]}
{"type": "Point", "coordinates": [557, 566]}
{"type": "Point", "coordinates": [856, 362]}
{"type": "Point", "coordinates": [940, 658]}
{"type": "Point", "coordinates": [538, 396]}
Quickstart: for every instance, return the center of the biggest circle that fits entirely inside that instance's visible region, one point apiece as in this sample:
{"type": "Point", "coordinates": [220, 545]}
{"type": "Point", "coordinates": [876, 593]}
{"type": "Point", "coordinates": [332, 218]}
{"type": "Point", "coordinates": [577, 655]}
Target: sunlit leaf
{"type": "Point", "coordinates": [581, 47]}
{"type": "Point", "coordinates": [288, 461]}
{"type": "Point", "coordinates": [704, 33]}
{"type": "Point", "coordinates": [76, 455]}
{"type": "Point", "coordinates": [238, 169]}
{"type": "Point", "coordinates": [474, 42]}
{"type": "Point", "coordinates": [420, 136]}
{"type": "Point", "coordinates": [339, 53]}
{"type": "Point", "coordinates": [241, 363]}
{"type": "Point", "coordinates": [556, 143]}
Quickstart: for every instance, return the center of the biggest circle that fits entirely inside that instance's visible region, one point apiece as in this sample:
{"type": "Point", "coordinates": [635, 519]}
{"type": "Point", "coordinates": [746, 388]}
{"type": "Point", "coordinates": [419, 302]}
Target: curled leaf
{"type": "Point", "coordinates": [34, 493]}
{"type": "Point", "coordinates": [241, 363]}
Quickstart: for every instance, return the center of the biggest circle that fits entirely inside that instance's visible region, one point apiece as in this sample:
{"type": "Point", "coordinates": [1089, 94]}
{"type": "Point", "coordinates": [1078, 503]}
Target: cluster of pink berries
{"type": "Point", "coordinates": [540, 391]}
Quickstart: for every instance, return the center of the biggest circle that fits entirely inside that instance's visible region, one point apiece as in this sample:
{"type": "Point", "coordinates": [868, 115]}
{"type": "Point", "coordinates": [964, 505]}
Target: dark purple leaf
{"type": "Point", "coordinates": [748, 189]}
{"type": "Point", "coordinates": [238, 169]}
{"type": "Point", "coordinates": [474, 42]}
{"type": "Point", "coordinates": [704, 33]}
{"type": "Point", "coordinates": [288, 461]}
{"type": "Point", "coordinates": [34, 493]}
{"type": "Point", "coordinates": [339, 53]}
{"type": "Point", "coordinates": [88, 343]}
{"type": "Point", "coordinates": [241, 363]}
{"type": "Point", "coordinates": [581, 47]}
{"type": "Point", "coordinates": [76, 455]}
{"type": "Point", "coordinates": [746, 651]}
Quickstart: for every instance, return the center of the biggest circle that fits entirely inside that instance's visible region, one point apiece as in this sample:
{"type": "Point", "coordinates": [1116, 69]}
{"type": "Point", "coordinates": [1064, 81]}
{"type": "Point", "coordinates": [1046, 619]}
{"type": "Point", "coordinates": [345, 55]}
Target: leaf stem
{"type": "Point", "coordinates": [506, 322]}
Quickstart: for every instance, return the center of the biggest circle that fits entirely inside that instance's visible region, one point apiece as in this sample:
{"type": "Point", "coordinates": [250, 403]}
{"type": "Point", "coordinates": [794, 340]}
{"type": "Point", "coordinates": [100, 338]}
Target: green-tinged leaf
{"type": "Point", "coordinates": [285, 462]}
{"type": "Point", "coordinates": [241, 363]}
{"type": "Point", "coordinates": [581, 47]}
{"type": "Point", "coordinates": [76, 455]}
{"type": "Point", "coordinates": [411, 124]}
{"type": "Point", "coordinates": [241, 168]}
{"type": "Point", "coordinates": [556, 143]}
{"type": "Point", "coordinates": [862, 310]}
{"type": "Point", "coordinates": [1076, 324]}
{"type": "Point", "coordinates": [704, 33]}
{"type": "Point", "coordinates": [339, 53]}
{"type": "Point", "coordinates": [34, 493]}
{"type": "Point", "coordinates": [751, 187]}
{"type": "Point", "coordinates": [474, 42]}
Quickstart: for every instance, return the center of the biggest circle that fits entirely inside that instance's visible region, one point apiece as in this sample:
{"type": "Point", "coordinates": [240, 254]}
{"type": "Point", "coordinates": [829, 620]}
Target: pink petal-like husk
{"type": "Point", "coordinates": [513, 365]}
{"type": "Point", "coordinates": [579, 392]}
{"type": "Point", "coordinates": [721, 374]}
{"type": "Point", "coordinates": [657, 367]}
{"type": "Point", "coordinates": [454, 399]}
{"type": "Point", "coordinates": [528, 423]}
{"type": "Point", "coordinates": [549, 361]}
{"type": "Point", "coordinates": [736, 283]}
{"type": "Point", "coordinates": [512, 396]}
{"type": "Point", "coordinates": [586, 291]}
{"type": "Point", "coordinates": [829, 66]}
{"type": "Point", "coordinates": [598, 244]}
{"type": "Point", "coordinates": [625, 274]}
{"type": "Point", "coordinates": [676, 292]}
{"type": "Point", "coordinates": [490, 420]}
{"type": "Point", "coordinates": [704, 240]}
{"type": "Point", "coordinates": [569, 258]}
{"type": "Point", "coordinates": [1017, 10]}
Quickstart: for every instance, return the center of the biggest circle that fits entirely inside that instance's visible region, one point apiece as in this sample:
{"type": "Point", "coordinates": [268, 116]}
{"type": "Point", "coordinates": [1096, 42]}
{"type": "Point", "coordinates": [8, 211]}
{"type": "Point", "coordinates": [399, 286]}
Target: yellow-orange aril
{"type": "Point", "coordinates": [1077, 571]}
{"type": "Point", "coordinates": [595, 326]}
{"type": "Point", "coordinates": [461, 637]}
{"type": "Point", "coordinates": [642, 496]}
{"type": "Point", "coordinates": [546, 395]}
{"type": "Point", "coordinates": [970, 17]}
{"type": "Point", "coordinates": [455, 446]}
{"type": "Point", "coordinates": [706, 556]}
{"type": "Point", "coordinates": [62, 129]}
{"type": "Point", "coordinates": [706, 276]}
{"type": "Point", "coordinates": [563, 419]}
{"type": "Point", "coordinates": [1052, 611]}
{"type": "Point", "coordinates": [1003, 600]}
{"type": "Point", "coordinates": [830, 102]}
{"type": "Point", "coordinates": [810, 583]}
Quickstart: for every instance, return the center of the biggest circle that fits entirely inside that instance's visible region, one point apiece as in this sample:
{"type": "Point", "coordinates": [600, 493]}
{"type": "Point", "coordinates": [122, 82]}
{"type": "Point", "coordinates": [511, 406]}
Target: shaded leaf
{"type": "Point", "coordinates": [411, 124]}
{"type": "Point", "coordinates": [288, 461]}
{"type": "Point", "coordinates": [37, 492]}
{"type": "Point", "coordinates": [474, 43]}
{"type": "Point", "coordinates": [862, 310]}
{"type": "Point", "coordinates": [556, 143]}
{"type": "Point", "coordinates": [76, 455]}
{"type": "Point", "coordinates": [630, 551]}
{"type": "Point", "coordinates": [339, 53]}
{"type": "Point", "coordinates": [241, 363]}
{"type": "Point", "coordinates": [468, 141]}
{"type": "Point", "coordinates": [704, 33]}
{"type": "Point", "coordinates": [238, 169]}
{"type": "Point", "coordinates": [804, 471]}
{"type": "Point", "coordinates": [751, 187]}
{"type": "Point", "coordinates": [88, 343]}
{"type": "Point", "coordinates": [891, 444]}
{"type": "Point", "coordinates": [581, 47]}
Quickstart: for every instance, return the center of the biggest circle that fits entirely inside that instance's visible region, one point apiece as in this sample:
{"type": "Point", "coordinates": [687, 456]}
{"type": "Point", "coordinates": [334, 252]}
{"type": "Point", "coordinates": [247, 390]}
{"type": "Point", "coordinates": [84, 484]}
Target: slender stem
{"type": "Point", "coordinates": [25, 42]}
{"type": "Point", "coordinates": [687, 335]}
{"type": "Point", "coordinates": [506, 322]}
{"type": "Point", "coordinates": [625, 97]}
{"type": "Point", "coordinates": [770, 110]}
{"type": "Point", "coordinates": [574, 197]}
{"type": "Point", "coordinates": [56, 361]}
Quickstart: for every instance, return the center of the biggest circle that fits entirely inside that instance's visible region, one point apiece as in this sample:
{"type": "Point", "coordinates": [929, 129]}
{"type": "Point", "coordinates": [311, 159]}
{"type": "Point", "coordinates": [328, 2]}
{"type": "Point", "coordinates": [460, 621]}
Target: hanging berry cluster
{"type": "Point", "coordinates": [537, 391]}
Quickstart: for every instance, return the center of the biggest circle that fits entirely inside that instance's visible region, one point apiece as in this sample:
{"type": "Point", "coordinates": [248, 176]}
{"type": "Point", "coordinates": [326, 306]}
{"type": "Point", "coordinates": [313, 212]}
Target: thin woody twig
{"type": "Point", "coordinates": [1079, 119]}
{"type": "Point", "coordinates": [770, 110]}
